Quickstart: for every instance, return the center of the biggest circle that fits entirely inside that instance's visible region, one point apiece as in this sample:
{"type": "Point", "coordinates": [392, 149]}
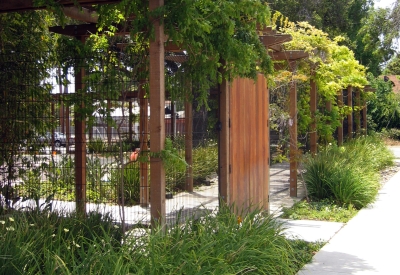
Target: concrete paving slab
{"type": "Point", "coordinates": [369, 243]}
{"type": "Point", "coordinates": [310, 231]}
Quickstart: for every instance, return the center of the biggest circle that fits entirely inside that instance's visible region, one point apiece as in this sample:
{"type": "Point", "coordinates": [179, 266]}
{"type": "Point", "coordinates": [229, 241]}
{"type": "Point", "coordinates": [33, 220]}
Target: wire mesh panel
{"type": "Point", "coordinates": [47, 163]}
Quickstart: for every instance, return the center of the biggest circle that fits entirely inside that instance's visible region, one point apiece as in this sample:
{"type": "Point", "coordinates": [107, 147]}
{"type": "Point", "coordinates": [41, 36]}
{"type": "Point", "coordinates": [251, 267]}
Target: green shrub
{"type": "Point", "coordinates": [354, 186]}
{"type": "Point", "coordinates": [131, 180]}
{"type": "Point", "coordinates": [323, 210]}
{"type": "Point", "coordinates": [392, 133]}
{"type": "Point", "coordinates": [96, 146]}
{"type": "Point", "coordinates": [219, 244]}
{"type": "Point", "coordinates": [349, 174]}
{"type": "Point", "coordinates": [60, 243]}
{"type": "Point", "coordinates": [205, 163]}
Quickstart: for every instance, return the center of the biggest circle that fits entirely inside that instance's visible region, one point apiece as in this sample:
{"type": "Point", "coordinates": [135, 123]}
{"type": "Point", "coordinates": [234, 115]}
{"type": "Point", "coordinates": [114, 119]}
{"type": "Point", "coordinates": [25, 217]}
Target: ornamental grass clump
{"type": "Point", "coordinates": [222, 243]}
{"type": "Point", "coordinates": [58, 243]}
{"type": "Point", "coordinates": [348, 175]}
{"type": "Point", "coordinates": [216, 243]}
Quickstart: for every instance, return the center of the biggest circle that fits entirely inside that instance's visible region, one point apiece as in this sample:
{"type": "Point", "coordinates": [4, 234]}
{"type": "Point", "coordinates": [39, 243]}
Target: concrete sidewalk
{"type": "Point", "coordinates": [367, 244]}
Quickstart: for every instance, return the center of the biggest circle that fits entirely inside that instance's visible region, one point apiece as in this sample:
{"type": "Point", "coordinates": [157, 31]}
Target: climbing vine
{"type": "Point", "coordinates": [332, 66]}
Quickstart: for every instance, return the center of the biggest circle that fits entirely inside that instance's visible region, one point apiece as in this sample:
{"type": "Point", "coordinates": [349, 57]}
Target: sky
{"type": "Point", "coordinates": [383, 3]}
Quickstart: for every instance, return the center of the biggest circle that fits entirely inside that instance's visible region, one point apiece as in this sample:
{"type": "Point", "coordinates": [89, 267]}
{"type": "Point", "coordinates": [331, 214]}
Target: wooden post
{"type": "Point", "coordinates": [350, 116]}
{"type": "Point", "coordinates": [313, 109]}
{"type": "Point", "coordinates": [144, 147]}
{"type": "Point", "coordinates": [61, 110]}
{"type": "Point", "coordinates": [80, 145]}
{"type": "Point", "coordinates": [173, 120]}
{"type": "Point", "coordinates": [189, 144]}
{"type": "Point", "coordinates": [109, 134]}
{"type": "Point", "coordinates": [67, 122]}
{"type": "Point", "coordinates": [52, 130]}
{"type": "Point", "coordinates": [130, 124]}
{"type": "Point", "coordinates": [340, 128]}
{"type": "Point", "coordinates": [293, 150]}
{"type": "Point", "coordinates": [157, 119]}
{"type": "Point", "coordinates": [224, 144]}
{"type": "Point", "coordinates": [364, 114]}
{"type": "Point", "coordinates": [357, 115]}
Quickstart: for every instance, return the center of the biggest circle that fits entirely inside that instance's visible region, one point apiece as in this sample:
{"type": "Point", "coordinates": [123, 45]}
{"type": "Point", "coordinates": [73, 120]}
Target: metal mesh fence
{"type": "Point", "coordinates": [41, 105]}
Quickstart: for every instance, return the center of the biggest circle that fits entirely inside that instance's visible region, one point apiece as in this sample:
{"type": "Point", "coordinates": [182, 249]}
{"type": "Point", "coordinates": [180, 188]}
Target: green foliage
{"type": "Point", "coordinates": [393, 133]}
{"type": "Point", "coordinates": [97, 146]}
{"type": "Point", "coordinates": [60, 243]}
{"type": "Point", "coordinates": [219, 244]}
{"type": "Point", "coordinates": [376, 36]}
{"type": "Point", "coordinates": [383, 106]}
{"type": "Point", "coordinates": [332, 66]}
{"type": "Point", "coordinates": [205, 161]}
{"type": "Point", "coordinates": [131, 184]}
{"type": "Point", "coordinates": [347, 175]}
{"type": "Point", "coordinates": [304, 251]}
{"type": "Point", "coordinates": [393, 67]}
{"type": "Point", "coordinates": [25, 62]}
{"type": "Point", "coordinates": [323, 210]}
{"type": "Point", "coordinates": [366, 31]}
{"type": "Point", "coordinates": [45, 243]}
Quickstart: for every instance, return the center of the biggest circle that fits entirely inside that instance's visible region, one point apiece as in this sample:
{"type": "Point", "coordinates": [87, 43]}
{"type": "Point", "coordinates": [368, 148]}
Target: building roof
{"type": "Point", "coordinates": [395, 79]}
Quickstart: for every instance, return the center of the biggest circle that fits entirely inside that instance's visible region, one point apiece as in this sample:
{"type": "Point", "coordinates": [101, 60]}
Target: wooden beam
{"type": "Point", "coordinates": [23, 5]}
{"type": "Point", "coordinates": [157, 117]}
{"type": "Point", "coordinates": [288, 55]}
{"type": "Point", "coordinates": [171, 46]}
{"type": "Point", "coordinates": [276, 48]}
{"type": "Point", "coordinates": [177, 58]}
{"type": "Point", "coordinates": [270, 40]}
{"type": "Point", "coordinates": [265, 29]}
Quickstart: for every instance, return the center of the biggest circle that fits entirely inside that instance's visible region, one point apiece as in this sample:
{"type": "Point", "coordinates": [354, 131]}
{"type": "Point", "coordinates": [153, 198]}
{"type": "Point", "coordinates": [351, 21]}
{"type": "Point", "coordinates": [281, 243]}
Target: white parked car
{"type": "Point", "coordinates": [60, 139]}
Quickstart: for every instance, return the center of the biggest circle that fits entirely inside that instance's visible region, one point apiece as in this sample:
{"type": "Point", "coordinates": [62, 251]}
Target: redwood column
{"type": "Point", "coordinates": [130, 124]}
{"type": "Point", "coordinates": [364, 114]}
{"type": "Point", "coordinates": [350, 116]}
{"type": "Point", "coordinates": [80, 145]}
{"type": "Point", "coordinates": [313, 109]}
{"type": "Point", "coordinates": [293, 150]}
{"type": "Point", "coordinates": [144, 147]}
{"type": "Point", "coordinates": [357, 115]}
{"type": "Point", "coordinates": [189, 144]}
{"type": "Point", "coordinates": [224, 144]}
{"type": "Point", "coordinates": [157, 117]}
{"type": "Point", "coordinates": [340, 128]}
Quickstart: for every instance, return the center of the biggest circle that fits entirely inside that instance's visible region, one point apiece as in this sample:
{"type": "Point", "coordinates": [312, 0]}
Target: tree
{"type": "Point", "coordinates": [383, 106]}
{"type": "Point", "coordinates": [393, 67]}
{"type": "Point", "coordinates": [335, 68]}
{"type": "Point", "coordinates": [377, 38]}
{"type": "Point", "coordinates": [355, 20]}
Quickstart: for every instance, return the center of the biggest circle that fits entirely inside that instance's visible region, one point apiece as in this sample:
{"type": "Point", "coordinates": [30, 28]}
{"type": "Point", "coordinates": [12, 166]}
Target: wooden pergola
{"type": "Point", "coordinates": [227, 162]}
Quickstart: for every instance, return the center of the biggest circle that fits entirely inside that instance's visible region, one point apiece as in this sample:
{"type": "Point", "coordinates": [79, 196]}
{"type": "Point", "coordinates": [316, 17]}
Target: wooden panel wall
{"type": "Point", "coordinates": [249, 144]}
